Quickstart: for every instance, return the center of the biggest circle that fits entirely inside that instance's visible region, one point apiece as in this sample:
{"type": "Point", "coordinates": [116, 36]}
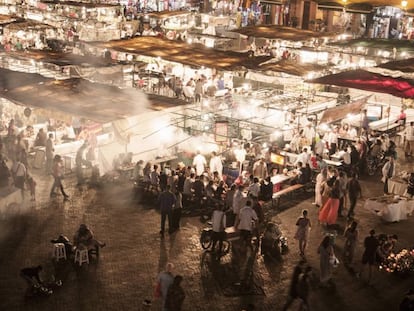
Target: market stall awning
{"type": "Point", "coordinates": [62, 58]}
{"type": "Point", "coordinates": [341, 112]}
{"type": "Point", "coordinates": [369, 81]}
{"type": "Point", "coordinates": [93, 101]}
{"type": "Point", "coordinates": [380, 44]}
{"type": "Point", "coordinates": [291, 67]}
{"type": "Point", "coordinates": [374, 3]}
{"type": "Point", "coordinates": [280, 32]}
{"type": "Point", "coordinates": [13, 79]}
{"type": "Point", "coordinates": [405, 65]}
{"type": "Point", "coordinates": [194, 55]}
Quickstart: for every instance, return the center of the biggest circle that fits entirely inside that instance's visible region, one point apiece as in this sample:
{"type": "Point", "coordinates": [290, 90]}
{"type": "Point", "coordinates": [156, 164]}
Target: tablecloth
{"type": "Point", "coordinates": [391, 212]}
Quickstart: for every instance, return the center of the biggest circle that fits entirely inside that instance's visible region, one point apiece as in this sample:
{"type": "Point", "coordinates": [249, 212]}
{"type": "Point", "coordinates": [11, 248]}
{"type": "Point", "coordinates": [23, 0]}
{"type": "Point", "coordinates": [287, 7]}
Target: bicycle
{"type": "Point", "coordinates": [206, 241]}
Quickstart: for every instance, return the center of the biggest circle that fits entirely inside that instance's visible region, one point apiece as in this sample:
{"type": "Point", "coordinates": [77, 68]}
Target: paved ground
{"type": "Point", "coordinates": [134, 254]}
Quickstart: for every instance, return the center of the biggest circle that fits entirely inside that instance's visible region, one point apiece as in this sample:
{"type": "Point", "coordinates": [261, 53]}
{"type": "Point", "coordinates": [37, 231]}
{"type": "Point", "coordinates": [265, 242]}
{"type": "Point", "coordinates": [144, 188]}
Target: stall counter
{"type": "Point", "coordinates": [390, 209]}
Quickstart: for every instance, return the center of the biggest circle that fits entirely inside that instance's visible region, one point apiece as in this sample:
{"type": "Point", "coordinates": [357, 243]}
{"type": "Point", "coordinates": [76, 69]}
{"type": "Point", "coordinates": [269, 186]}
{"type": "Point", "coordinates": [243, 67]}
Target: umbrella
{"type": "Point", "coordinates": [370, 81]}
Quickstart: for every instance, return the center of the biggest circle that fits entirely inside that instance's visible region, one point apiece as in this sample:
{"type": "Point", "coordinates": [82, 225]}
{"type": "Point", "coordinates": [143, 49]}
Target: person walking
{"type": "Point", "coordinates": [167, 202]}
{"type": "Point", "coordinates": [199, 163]}
{"type": "Point", "coordinates": [175, 295]}
{"type": "Point", "coordinates": [325, 252]}
{"type": "Point", "coordinates": [248, 218]}
{"type": "Point", "coordinates": [303, 226]}
{"type": "Point", "coordinates": [19, 173]}
{"type": "Point", "coordinates": [320, 179]}
{"type": "Point", "coordinates": [304, 288]}
{"type": "Point", "coordinates": [351, 240]}
{"type": "Point", "coordinates": [218, 225]}
{"type": "Point", "coordinates": [329, 212]}
{"type": "Point", "coordinates": [354, 192]}
{"type": "Point", "coordinates": [57, 172]}
{"type": "Point", "coordinates": [239, 201]}
{"type": "Point", "coordinates": [176, 211]}
{"type": "Point", "coordinates": [388, 171]}
{"type": "Point", "coordinates": [293, 289]}
{"type": "Point", "coordinates": [369, 257]}
{"type": "Point", "coordinates": [343, 181]}
{"type": "Point", "coordinates": [164, 280]}
{"type": "Point", "coordinates": [49, 154]}
{"type": "Point", "coordinates": [409, 140]}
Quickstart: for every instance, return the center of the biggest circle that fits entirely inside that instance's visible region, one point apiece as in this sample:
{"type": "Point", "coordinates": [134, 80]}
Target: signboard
{"type": "Point", "coordinates": [221, 131]}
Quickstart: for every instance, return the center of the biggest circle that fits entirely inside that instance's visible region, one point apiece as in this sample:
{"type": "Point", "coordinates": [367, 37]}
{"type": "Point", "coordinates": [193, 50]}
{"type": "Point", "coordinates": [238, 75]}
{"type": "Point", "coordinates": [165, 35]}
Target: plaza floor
{"type": "Point", "coordinates": [125, 273]}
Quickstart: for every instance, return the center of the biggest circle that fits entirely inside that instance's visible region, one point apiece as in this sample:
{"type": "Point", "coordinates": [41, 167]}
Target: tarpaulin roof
{"type": "Point", "coordinates": [12, 79]}
{"type": "Point", "coordinates": [93, 101]}
{"type": "Point", "coordinates": [63, 59]}
{"type": "Point", "coordinates": [373, 3]}
{"type": "Point", "coordinates": [370, 81]}
{"type": "Point", "coordinates": [377, 43]}
{"type": "Point", "coordinates": [405, 65]}
{"type": "Point", "coordinates": [291, 67]}
{"type": "Point", "coordinates": [195, 55]}
{"type": "Point", "coordinates": [280, 32]}
{"type": "Point", "coordinates": [340, 112]}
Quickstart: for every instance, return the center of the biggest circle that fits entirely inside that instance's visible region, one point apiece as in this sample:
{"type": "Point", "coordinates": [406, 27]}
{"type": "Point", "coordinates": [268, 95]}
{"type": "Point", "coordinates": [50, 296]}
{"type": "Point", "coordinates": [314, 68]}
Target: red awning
{"type": "Point", "coordinates": [369, 81]}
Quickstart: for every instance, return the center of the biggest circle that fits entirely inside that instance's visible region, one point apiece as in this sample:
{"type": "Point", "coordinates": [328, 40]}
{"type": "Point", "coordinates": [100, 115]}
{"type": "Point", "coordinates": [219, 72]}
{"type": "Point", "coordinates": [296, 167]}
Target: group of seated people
{"type": "Point", "coordinates": [83, 239]}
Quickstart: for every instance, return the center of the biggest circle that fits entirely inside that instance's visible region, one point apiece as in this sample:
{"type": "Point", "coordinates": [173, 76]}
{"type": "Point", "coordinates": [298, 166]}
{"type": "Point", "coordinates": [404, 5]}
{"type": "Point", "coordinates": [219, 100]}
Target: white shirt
{"type": "Point", "coordinates": [188, 184]}
{"type": "Point", "coordinates": [303, 158]}
{"type": "Point", "coordinates": [333, 138]}
{"type": "Point", "coordinates": [345, 156]}
{"type": "Point", "coordinates": [216, 165]}
{"type": "Point", "coordinates": [247, 215]}
{"type": "Point", "coordinates": [254, 189]}
{"type": "Point", "coordinates": [238, 202]}
{"type": "Point", "coordinates": [309, 133]}
{"type": "Point", "coordinates": [219, 221]}
{"type": "Point", "coordinates": [199, 162]}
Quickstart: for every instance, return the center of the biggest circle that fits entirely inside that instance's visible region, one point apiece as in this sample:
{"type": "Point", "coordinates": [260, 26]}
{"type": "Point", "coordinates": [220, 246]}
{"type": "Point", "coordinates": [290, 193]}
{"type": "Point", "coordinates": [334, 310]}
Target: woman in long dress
{"type": "Point", "coordinates": [302, 231]}
{"type": "Point", "coordinates": [325, 252]}
{"type": "Point", "coordinates": [320, 179]}
{"type": "Point", "coordinates": [329, 212]}
{"type": "Point", "coordinates": [351, 236]}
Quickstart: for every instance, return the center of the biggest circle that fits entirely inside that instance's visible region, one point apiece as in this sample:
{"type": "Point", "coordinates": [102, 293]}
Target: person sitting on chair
{"type": "Point", "coordinates": [64, 240]}
{"type": "Point", "coordinates": [84, 239]}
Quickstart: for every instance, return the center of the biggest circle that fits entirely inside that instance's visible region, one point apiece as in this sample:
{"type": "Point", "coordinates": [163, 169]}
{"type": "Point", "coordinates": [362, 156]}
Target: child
{"type": "Point", "coordinates": [31, 183]}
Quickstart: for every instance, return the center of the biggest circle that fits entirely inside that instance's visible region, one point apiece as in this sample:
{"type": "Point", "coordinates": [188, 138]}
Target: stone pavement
{"type": "Point", "coordinates": [124, 276]}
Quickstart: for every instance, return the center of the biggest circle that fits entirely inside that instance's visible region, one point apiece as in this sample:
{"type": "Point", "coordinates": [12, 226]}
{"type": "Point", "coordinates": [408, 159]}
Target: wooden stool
{"type": "Point", "coordinates": [59, 251]}
{"type": "Point", "coordinates": [81, 256]}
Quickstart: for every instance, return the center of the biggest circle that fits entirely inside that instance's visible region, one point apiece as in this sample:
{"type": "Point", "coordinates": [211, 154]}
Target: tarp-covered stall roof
{"type": "Point", "coordinates": [62, 58]}
{"type": "Point", "coordinates": [291, 67]}
{"type": "Point", "coordinates": [93, 101]}
{"type": "Point", "coordinates": [373, 3]}
{"type": "Point", "coordinates": [341, 112]}
{"type": "Point", "coordinates": [405, 65]}
{"type": "Point", "coordinates": [280, 32]}
{"type": "Point", "coordinates": [12, 79]}
{"type": "Point", "coordinates": [370, 81]}
{"type": "Point", "coordinates": [192, 55]}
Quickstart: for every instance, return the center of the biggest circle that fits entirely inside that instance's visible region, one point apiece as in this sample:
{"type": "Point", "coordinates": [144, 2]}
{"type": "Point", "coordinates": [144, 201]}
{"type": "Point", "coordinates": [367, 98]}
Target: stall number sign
{"type": "Point", "coordinates": [221, 131]}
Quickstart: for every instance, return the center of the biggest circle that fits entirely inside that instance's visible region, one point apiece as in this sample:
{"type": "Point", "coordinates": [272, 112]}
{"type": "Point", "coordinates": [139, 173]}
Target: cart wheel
{"type": "Point", "coordinates": [371, 170]}
{"type": "Point", "coordinates": [206, 239]}
{"type": "Point", "coordinates": [226, 248]}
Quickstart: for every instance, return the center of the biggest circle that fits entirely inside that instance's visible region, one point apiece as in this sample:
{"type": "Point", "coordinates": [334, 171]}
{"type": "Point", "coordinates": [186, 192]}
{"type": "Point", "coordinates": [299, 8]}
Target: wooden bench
{"type": "Point", "coordinates": [289, 190]}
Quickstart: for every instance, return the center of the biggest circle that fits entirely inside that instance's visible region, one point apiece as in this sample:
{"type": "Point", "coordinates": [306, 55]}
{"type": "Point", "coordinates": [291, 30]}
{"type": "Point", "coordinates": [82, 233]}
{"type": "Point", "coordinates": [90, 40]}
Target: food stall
{"type": "Point", "coordinates": [390, 208]}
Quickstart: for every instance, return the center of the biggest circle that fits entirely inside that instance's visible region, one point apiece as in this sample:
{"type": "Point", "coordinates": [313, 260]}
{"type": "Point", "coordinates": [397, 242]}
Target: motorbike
{"type": "Point", "coordinates": [375, 163]}
{"type": "Point", "coordinates": [44, 289]}
{"type": "Point", "coordinates": [273, 243]}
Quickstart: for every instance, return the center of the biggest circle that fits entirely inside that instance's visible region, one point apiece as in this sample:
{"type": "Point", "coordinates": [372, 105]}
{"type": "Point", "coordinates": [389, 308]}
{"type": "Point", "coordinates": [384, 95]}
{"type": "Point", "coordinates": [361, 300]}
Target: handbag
{"type": "Point", "coordinates": [157, 290]}
{"type": "Point", "coordinates": [334, 261]}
